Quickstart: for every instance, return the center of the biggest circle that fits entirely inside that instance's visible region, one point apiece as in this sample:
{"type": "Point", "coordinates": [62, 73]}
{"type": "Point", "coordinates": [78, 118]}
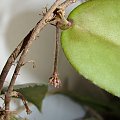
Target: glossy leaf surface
{"type": "Point", "coordinates": [92, 44]}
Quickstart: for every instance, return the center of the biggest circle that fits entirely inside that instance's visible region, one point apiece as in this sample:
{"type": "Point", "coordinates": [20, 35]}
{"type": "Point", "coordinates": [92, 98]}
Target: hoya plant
{"type": "Point", "coordinates": [90, 41]}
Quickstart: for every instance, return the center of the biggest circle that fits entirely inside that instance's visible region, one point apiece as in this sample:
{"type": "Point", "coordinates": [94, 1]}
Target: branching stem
{"type": "Point", "coordinates": [24, 47]}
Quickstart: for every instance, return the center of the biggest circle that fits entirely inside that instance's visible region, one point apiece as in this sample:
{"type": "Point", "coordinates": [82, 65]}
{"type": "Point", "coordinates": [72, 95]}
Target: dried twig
{"type": "Point", "coordinates": [12, 59]}
{"type": "Point", "coordinates": [67, 3]}
{"type": "Point", "coordinates": [39, 26]}
{"type": "Point", "coordinates": [19, 95]}
{"type": "Point", "coordinates": [54, 80]}
{"type": "Point", "coordinates": [23, 48]}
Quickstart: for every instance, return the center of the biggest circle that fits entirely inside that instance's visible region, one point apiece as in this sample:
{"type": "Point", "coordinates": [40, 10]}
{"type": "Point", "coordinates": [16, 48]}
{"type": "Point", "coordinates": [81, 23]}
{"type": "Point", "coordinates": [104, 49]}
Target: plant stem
{"type": "Point", "coordinates": [54, 80]}
{"type": "Point", "coordinates": [39, 26]}
{"type": "Point", "coordinates": [24, 47]}
{"type": "Point", "coordinates": [12, 59]}
{"type": "Point", "coordinates": [56, 49]}
{"type": "Point", "coordinates": [67, 3]}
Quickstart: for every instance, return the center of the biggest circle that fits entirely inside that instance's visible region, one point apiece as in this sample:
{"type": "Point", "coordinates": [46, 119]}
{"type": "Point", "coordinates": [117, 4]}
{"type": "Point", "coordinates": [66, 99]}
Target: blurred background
{"type": "Point", "coordinates": [17, 18]}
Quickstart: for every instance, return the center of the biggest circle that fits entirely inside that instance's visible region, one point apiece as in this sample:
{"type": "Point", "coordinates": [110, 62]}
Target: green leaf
{"type": "Point", "coordinates": [92, 44]}
{"type": "Point", "coordinates": [33, 92]}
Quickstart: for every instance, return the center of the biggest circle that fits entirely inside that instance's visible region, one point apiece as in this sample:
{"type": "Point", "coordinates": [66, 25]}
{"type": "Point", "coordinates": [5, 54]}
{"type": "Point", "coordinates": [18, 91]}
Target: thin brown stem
{"type": "Point", "coordinates": [54, 80]}
{"type": "Point", "coordinates": [24, 47]}
{"type": "Point", "coordinates": [23, 43]}
{"type": "Point", "coordinates": [12, 59]}
{"type": "Point", "coordinates": [24, 102]}
{"type": "Point", "coordinates": [39, 26]}
{"type": "Point", "coordinates": [21, 46]}
{"type": "Point", "coordinates": [56, 49]}
{"type": "Point", "coordinates": [67, 3]}
{"type": "Point", "coordinates": [34, 33]}
{"type": "Point", "coordinates": [19, 95]}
